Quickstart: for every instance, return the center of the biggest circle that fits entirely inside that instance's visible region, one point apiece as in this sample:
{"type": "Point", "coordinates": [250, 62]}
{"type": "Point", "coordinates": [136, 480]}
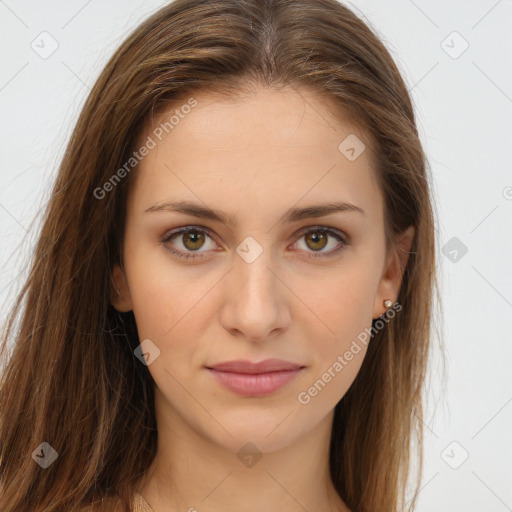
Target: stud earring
{"type": "Point", "coordinates": [387, 303]}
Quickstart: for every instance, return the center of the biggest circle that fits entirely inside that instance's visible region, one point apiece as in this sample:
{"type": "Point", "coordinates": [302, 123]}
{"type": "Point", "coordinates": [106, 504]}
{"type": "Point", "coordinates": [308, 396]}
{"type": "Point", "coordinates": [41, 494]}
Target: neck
{"type": "Point", "coordinates": [192, 473]}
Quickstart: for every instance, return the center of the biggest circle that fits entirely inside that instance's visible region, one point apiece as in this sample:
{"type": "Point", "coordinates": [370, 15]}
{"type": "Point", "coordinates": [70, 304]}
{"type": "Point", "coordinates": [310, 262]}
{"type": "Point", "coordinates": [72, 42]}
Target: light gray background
{"type": "Point", "coordinates": [464, 107]}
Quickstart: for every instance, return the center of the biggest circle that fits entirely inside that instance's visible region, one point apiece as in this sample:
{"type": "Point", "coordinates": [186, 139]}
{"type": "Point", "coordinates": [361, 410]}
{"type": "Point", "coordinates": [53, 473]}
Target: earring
{"type": "Point", "coordinates": [387, 303]}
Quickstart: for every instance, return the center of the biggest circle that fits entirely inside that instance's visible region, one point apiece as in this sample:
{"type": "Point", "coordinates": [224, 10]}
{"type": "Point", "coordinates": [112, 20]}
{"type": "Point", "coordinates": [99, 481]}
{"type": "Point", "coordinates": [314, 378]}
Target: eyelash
{"type": "Point", "coordinates": [191, 255]}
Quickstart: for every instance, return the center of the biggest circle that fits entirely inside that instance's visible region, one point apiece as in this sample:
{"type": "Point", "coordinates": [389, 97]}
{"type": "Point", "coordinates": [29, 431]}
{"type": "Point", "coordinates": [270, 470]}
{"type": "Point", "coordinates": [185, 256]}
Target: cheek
{"type": "Point", "coordinates": [156, 293]}
{"type": "Point", "coordinates": [342, 306]}
{"type": "Point", "coordinates": [338, 332]}
{"type": "Point", "coordinates": [154, 301]}
{"type": "Point", "coordinates": [169, 306]}
{"type": "Point", "coordinates": [337, 341]}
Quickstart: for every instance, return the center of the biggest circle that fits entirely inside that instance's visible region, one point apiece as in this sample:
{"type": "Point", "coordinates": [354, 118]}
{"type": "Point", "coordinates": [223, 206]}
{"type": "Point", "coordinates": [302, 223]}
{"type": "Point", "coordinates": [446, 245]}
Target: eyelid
{"type": "Point", "coordinates": [180, 231]}
{"type": "Point", "coordinates": [342, 237]}
{"type": "Point", "coordinates": [185, 229]}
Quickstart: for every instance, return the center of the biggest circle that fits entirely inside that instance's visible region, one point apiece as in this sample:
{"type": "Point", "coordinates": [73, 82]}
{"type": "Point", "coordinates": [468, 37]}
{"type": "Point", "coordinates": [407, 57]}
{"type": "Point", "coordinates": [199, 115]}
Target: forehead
{"type": "Point", "coordinates": [263, 149]}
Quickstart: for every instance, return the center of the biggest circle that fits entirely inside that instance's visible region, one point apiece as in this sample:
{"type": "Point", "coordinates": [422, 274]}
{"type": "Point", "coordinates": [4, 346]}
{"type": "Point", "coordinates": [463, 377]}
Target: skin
{"type": "Point", "coordinates": [253, 158]}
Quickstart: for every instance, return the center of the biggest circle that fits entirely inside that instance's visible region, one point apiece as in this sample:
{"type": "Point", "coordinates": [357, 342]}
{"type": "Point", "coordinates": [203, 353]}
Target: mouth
{"type": "Point", "coordinates": [250, 379]}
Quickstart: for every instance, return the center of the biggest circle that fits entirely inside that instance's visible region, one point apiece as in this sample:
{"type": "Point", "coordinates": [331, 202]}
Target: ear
{"type": "Point", "coordinates": [391, 280]}
{"type": "Point", "coordinates": [120, 292]}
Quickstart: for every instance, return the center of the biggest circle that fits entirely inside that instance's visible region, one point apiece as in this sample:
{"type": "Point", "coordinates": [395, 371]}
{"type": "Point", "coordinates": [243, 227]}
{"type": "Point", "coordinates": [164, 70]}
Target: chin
{"type": "Point", "coordinates": [269, 430]}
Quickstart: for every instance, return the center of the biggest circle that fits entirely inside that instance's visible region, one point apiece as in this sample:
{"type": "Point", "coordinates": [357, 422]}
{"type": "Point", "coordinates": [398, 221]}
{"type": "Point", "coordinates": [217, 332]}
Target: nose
{"type": "Point", "coordinates": [255, 305]}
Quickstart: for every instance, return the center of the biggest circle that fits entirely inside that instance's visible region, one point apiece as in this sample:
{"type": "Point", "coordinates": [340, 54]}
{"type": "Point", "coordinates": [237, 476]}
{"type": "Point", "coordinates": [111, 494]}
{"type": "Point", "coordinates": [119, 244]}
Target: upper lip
{"type": "Point", "coordinates": [245, 366]}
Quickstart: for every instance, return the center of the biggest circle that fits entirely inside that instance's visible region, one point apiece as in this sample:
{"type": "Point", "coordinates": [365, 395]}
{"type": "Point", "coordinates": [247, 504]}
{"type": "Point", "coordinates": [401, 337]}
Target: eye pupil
{"type": "Point", "coordinates": [316, 237]}
{"type": "Point", "coordinates": [195, 237]}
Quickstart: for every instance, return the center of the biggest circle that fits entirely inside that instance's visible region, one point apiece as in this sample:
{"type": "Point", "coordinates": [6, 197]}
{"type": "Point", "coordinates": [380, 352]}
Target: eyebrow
{"type": "Point", "coordinates": [292, 215]}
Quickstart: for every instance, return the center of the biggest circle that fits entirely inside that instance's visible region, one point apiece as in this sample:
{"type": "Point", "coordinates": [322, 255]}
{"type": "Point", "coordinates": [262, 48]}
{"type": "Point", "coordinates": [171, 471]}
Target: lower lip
{"type": "Point", "coordinates": [260, 384]}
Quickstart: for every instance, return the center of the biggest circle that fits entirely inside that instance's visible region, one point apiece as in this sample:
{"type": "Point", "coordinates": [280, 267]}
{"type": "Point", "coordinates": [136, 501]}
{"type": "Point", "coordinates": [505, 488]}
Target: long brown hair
{"type": "Point", "coordinates": [72, 379]}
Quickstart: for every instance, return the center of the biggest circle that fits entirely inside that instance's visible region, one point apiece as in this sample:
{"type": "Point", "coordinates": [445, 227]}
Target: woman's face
{"type": "Point", "coordinates": [264, 278]}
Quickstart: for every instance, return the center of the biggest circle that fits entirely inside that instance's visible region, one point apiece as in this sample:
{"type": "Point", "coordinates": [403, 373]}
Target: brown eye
{"type": "Point", "coordinates": [193, 240]}
{"type": "Point", "coordinates": [186, 243]}
{"type": "Point", "coordinates": [316, 240]}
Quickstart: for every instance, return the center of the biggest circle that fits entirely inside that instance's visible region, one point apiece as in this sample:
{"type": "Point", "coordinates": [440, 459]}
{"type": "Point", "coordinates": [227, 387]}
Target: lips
{"type": "Point", "coordinates": [255, 379]}
{"type": "Point", "coordinates": [245, 366]}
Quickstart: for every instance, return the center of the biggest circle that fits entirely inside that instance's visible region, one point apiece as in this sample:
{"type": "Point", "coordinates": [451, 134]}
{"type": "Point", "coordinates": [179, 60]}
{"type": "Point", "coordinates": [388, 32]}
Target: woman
{"type": "Point", "coordinates": [230, 301]}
